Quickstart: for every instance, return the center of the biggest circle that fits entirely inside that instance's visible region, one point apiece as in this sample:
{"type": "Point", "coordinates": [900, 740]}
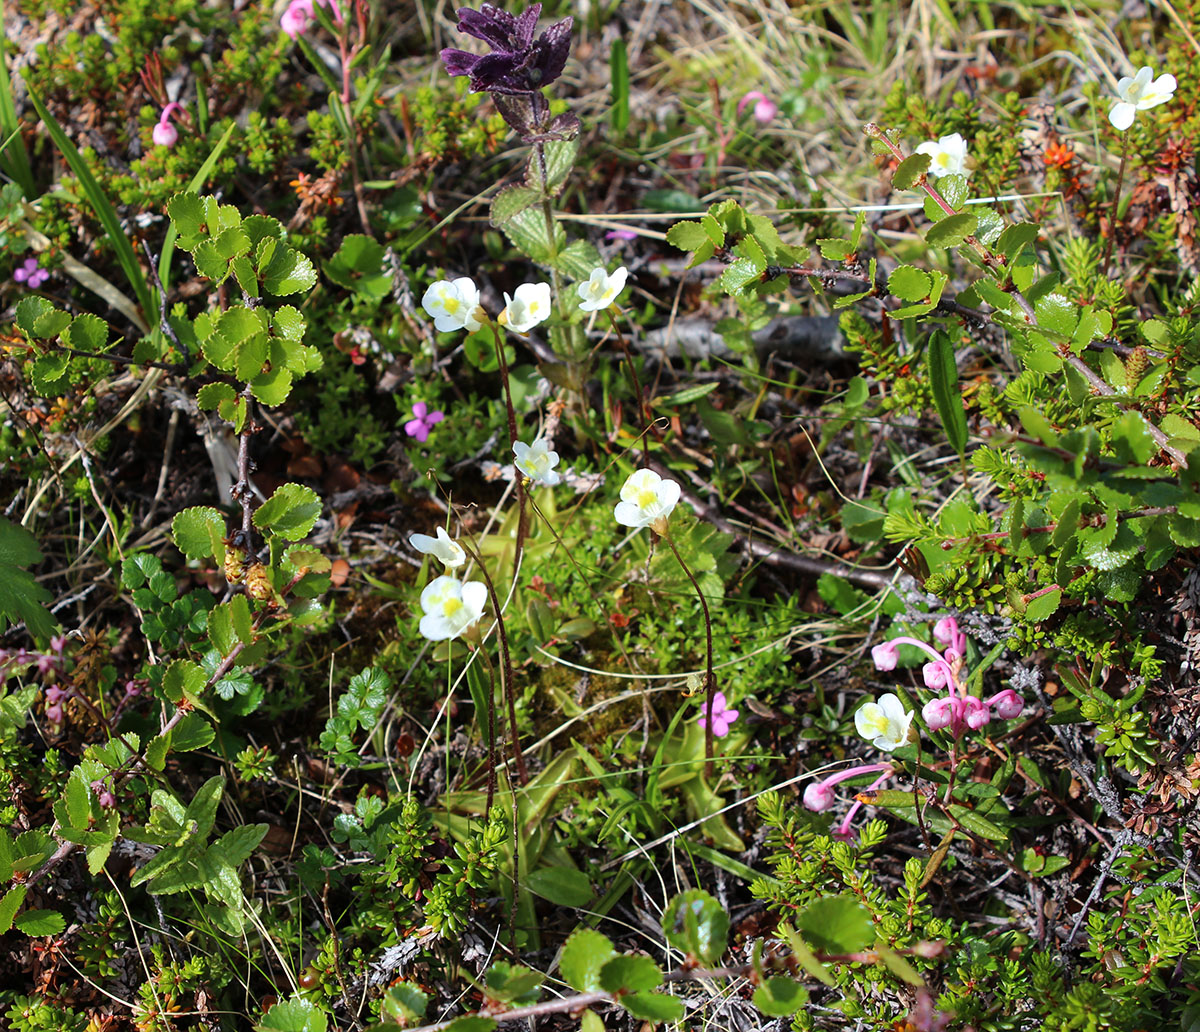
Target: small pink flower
{"type": "Point", "coordinates": [818, 796]}
{"type": "Point", "coordinates": [54, 714]}
{"type": "Point", "coordinates": [946, 633]}
{"type": "Point", "coordinates": [764, 107]}
{"type": "Point", "coordinates": [620, 234]}
{"type": "Point", "coordinates": [30, 274]}
{"type": "Point", "coordinates": [722, 716]}
{"type": "Point", "coordinates": [58, 643]}
{"type": "Point", "coordinates": [885, 655]}
{"type": "Point", "coordinates": [938, 713]}
{"type": "Point", "coordinates": [46, 664]}
{"type": "Point", "coordinates": [935, 675]}
{"type": "Point", "coordinates": [165, 134]}
{"type": "Point", "coordinates": [295, 19]}
{"type": "Point", "coordinates": [423, 421]}
{"type": "Point", "coordinates": [1007, 704]}
{"type": "Point", "coordinates": [978, 712]}
{"type": "Point", "coordinates": [55, 695]}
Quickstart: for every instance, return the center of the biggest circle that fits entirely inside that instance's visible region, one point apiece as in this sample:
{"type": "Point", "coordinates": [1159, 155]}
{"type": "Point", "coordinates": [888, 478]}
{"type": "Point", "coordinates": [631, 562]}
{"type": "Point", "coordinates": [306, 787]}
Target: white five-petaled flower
{"type": "Point", "coordinates": [600, 289]}
{"type": "Point", "coordinates": [946, 157]}
{"type": "Point", "coordinates": [646, 498]}
{"type": "Point", "coordinates": [453, 304]}
{"type": "Point", "coordinates": [885, 724]}
{"type": "Point", "coordinates": [1137, 93]}
{"type": "Point", "coordinates": [537, 462]}
{"type": "Point", "coordinates": [528, 306]}
{"type": "Point", "coordinates": [442, 547]}
{"type": "Point", "coordinates": [451, 607]}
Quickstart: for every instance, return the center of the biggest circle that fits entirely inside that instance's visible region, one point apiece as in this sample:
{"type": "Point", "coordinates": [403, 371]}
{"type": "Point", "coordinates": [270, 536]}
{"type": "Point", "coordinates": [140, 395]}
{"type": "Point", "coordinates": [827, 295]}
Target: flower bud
{"type": "Point", "coordinates": [978, 713]}
{"type": "Point", "coordinates": [945, 631]}
{"type": "Point", "coordinates": [934, 675]}
{"type": "Point", "coordinates": [818, 796]}
{"type": "Point", "coordinates": [165, 134]}
{"type": "Point", "coordinates": [938, 713]}
{"type": "Point", "coordinates": [885, 655]}
{"type": "Point", "coordinates": [1008, 704]}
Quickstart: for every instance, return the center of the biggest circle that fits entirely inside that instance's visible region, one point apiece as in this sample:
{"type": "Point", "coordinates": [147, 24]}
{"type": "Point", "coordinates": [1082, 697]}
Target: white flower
{"type": "Point", "coordinates": [537, 462]}
{"type": "Point", "coordinates": [528, 306]}
{"type": "Point", "coordinates": [442, 547]}
{"type": "Point", "coordinates": [885, 724]}
{"type": "Point", "coordinates": [1138, 94]}
{"type": "Point", "coordinates": [946, 157]}
{"type": "Point", "coordinates": [453, 304]}
{"type": "Point", "coordinates": [451, 607]}
{"type": "Point", "coordinates": [600, 289]}
{"type": "Point", "coordinates": [645, 499]}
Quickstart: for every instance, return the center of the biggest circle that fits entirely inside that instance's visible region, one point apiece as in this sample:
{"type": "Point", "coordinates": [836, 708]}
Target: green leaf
{"type": "Point", "coordinates": [578, 259]}
{"type": "Point", "coordinates": [565, 886]}
{"type": "Point", "coordinates": [508, 983]}
{"type": "Point", "coordinates": [590, 1022]}
{"type": "Point", "coordinates": [236, 846]}
{"type": "Point", "coordinates": [76, 810]}
{"type": "Point", "coordinates": [560, 159]}
{"type": "Point", "coordinates": [273, 386]}
{"type": "Point", "coordinates": [87, 332]}
{"type": "Point", "coordinates": [696, 924]}
{"type": "Point", "coordinates": [50, 374]}
{"type": "Point", "coordinates": [511, 201]}
{"type": "Point", "coordinates": [583, 956]}
{"type": "Point", "coordinates": [528, 232]}
{"type": "Point", "coordinates": [952, 230]}
{"type": "Point", "coordinates": [288, 272]}
{"type": "Point", "coordinates": [618, 66]}
{"type": "Point", "coordinates": [943, 380]}
{"type": "Point", "coordinates": [191, 733]}
{"type": "Point", "coordinates": [837, 924]}
{"type": "Point", "coordinates": [41, 922]}
{"type": "Point", "coordinates": [10, 904]}
{"type": "Point", "coordinates": [739, 274]}
{"type": "Point", "coordinates": [290, 512]}
{"type": "Point", "coordinates": [1056, 315]}
{"type": "Point", "coordinates": [655, 1007]}
{"type": "Point", "coordinates": [186, 210]}
{"type": "Point", "coordinates": [953, 189]}
{"type": "Point", "coordinates": [21, 597]}
{"type": "Point", "coordinates": [404, 1003]}
{"type": "Point", "coordinates": [835, 249]}
{"type": "Point", "coordinates": [780, 997]}
{"type": "Point", "coordinates": [1044, 606]}
{"type": "Point", "coordinates": [296, 1015]}
{"type": "Point", "coordinates": [1016, 238]}
{"type": "Point", "coordinates": [687, 236]}
{"type": "Point", "coordinates": [909, 283]}
{"type": "Point", "coordinates": [668, 201]}
{"type": "Point", "coordinates": [184, 679]}
{"type": "Point", "coordinates": [199, 532]}
{"type": "Point", "coordinates": [977, 824]}
{"type": "Point", "coordinates": [630, 974]}
{"type": "Point", "coordinates": [909, 171]}
{"type": "Point", "coordinates": [471, 1023]}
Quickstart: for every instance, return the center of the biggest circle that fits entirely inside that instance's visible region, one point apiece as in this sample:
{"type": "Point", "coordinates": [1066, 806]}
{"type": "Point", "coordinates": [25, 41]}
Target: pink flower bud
{"type": "Point", "coordinates": [1008, 704]}
{"type": "Point", "coordinates": [978, 712]}
{"type": "Point", "coordinates": [945, 631]}
{"type": "Point", "coordinates": [58, 643]}
{"type": "Point", "coordinates": [885, 655]}
{"type": "Point", "coordinates": [818, 796]}
{"type": "Point", "coordinates": [165, 134]}
{"type": "Point", "coordinates": [295, 18]}
{"type": "Point", "coordinates": [54, 714]}
{"type": "Point", "coordinates": [764, 107]}
{"type": "Point", "coordinates": [935, 675]}
{"type": "Point", "coordinates": [55, 695]}
{"type": "Point", "coordinates": [938, 713]}
{"type": "Point", "coordinates": [106, 799]}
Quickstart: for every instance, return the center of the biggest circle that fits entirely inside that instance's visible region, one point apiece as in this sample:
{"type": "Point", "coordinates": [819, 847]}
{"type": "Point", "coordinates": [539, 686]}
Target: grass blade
{"type": "Point", "coordinates": [15, 161]}
{"type": "Point", "coordinates": [102, 208]}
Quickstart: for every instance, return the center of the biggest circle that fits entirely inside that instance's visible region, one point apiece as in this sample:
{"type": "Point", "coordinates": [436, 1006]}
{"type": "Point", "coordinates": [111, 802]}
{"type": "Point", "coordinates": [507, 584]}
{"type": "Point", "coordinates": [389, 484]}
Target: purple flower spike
{"type": "Point", "coordinates": [518, 64]}
{"type": "Point", "coordinates": [423, 421]}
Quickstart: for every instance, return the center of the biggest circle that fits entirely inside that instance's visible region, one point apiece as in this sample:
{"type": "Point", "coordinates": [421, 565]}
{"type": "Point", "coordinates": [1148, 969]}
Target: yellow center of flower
{"type": "Point", "coordinates": [451, 606]}
{"type": "Point", "coordinates": [646, 498]}
{"type": "Point", "coordinates": [450, 303]}
{"type": "Point", "coordinates": [875, 722]}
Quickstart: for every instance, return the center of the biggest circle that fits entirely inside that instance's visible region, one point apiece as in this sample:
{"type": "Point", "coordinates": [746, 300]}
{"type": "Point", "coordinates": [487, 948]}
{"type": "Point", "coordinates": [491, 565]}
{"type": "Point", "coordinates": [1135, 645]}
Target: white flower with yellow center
{"type": "Point", "coordinates": [537, 462]}
{"type": "Point", "coordinates": [946, 157]}
{"type": "Point", "coordinates": [451, 607]}
{"type": "Point", "coordinates": [1137, 93]}
{"type": "Point", "coordinates": [600, 289]}
{"type": "Point", "coordinates": [442, 547]}
{"type": "Point", "coordinates": [454, 305]}
{"type": "Point", "coordinates": [646, 498]}
{"type": "Point", "coordinates": [885, 724]}
{"type": "Point", "coordinates": [528, 306]}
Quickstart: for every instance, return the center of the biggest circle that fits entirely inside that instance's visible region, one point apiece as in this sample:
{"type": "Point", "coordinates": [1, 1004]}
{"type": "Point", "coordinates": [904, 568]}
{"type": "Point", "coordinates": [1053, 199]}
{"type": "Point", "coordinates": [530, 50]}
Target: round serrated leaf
{"type": "Point", "coordinates": [50, 374]}
{"type": "Point", "coordinates": [780, 997]}
{"type": "Point", "coordinates": [199, 532]}
{"type": "Point", "coordinates": [583, 955]}
{"type": "Point", "coordinates": [909, 283]}
{"type": "Point", "coordinates": [87, 332]}
{"type": "Point", "coordinates": [290, 512]}
{"type": "Point", "coordinates": [40, 922]}
{"type": "Point", "coordinates": [288, 273]}
{"type": "Point", "coordinates": [952, 230]}
{"type": "Point", "coordinates": [630, 974]}
{"type": "Point", "coordinates": [837, 924]}
{"type": "Point", "coordinates": [655, 1007]}
{"type": "Point", "coordinates": [910, 170]}
{"type": "Point", "coordinates": [293, 1016]}
{"type": "Point", "coordinates": [697, 925]}
{"type": "Point", "coordinates": [1043, 606]}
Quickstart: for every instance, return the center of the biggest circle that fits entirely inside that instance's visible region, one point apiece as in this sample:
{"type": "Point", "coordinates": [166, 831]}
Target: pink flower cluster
{"type": "Point", "coordinates": [300, 12]}
{"type": "Point", "coordinates": [50, 666]}
{"type": "Point", "coordinates": [957, 710]}
{"type": "Point", "coordinates": [31, 274]}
